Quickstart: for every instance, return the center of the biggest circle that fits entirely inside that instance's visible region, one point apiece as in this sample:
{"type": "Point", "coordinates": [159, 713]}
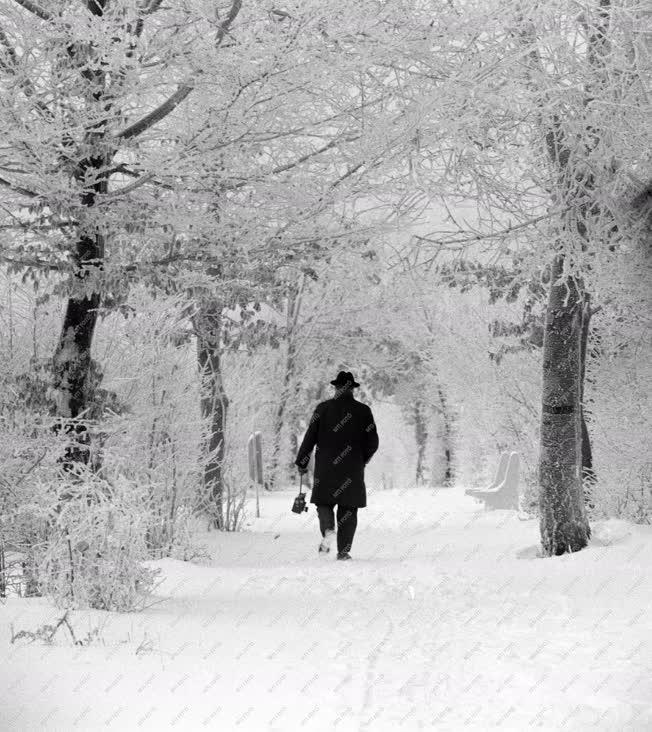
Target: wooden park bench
{"type": "Point", "coordinates": [503, 492]}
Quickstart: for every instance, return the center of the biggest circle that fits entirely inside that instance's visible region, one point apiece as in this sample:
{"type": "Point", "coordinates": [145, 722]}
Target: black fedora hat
{"type": "Point", "coordinates": [345, 378]}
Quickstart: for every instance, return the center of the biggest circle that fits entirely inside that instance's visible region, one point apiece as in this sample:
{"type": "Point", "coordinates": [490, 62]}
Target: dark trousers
{"type": "Point", "coordinates": [347, 522]}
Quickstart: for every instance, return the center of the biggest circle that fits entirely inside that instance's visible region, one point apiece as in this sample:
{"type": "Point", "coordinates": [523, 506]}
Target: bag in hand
{"type": "Point", "coordinates": [299, 505]}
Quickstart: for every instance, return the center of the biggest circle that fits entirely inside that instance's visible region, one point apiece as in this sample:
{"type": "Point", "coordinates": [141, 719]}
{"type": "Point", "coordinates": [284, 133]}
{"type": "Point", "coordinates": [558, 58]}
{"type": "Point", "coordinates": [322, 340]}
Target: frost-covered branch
{"type": "Point", "coordinates": [182, 92]}
{"type": "Point", "coordinates": [18, 189]}
{"type": "Point", "coordinates": [35, 9]}
{"type": "Point", "coordinates": [158, 114]}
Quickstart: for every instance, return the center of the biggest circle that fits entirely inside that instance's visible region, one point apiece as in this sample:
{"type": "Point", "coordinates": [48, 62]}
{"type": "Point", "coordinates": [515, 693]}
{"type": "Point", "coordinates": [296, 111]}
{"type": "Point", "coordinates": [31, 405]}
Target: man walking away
{"type": "Point", "coordinates": [345, 436]}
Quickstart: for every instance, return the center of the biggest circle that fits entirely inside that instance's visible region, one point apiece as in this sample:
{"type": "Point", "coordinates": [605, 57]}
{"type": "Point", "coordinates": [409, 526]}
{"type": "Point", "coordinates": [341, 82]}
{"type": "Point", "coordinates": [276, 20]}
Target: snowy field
{"type": "Point", "coordinates": [445, 620]}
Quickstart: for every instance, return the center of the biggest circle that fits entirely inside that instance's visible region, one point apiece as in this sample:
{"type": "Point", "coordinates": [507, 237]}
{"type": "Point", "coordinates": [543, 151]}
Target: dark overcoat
{"type": "Point", "coordinates": [344, 433]}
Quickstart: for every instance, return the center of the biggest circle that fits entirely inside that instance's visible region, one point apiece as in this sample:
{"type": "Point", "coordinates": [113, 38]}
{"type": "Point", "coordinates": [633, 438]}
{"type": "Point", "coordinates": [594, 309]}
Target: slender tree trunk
{"type": "Point", "coordinates": [421, 436]}
{"type": "Point", "coordinates": [292, 316]}
{"type": "Point", "coordinates": [3, 570]}
{"type": "Point", "coordinates": [448, 438]}
{"type": "Point", "coordinates": [214, 403]}
{"type": "Point", "coordinates": [563, 523]}
{"type": "Point", "coordinates": [588, 473]}
{"type": "Point", "coordinates": [294, 442]}
{"type": "Point", "coordinates": [279, 418]}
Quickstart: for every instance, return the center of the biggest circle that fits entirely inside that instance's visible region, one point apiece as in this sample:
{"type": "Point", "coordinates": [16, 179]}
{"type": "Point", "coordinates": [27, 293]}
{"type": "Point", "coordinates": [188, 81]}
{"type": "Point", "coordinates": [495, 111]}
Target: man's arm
{"type": "Point", "coordinates": [309, 441]}
{"type": "Point", "coordinates": [370, 438]}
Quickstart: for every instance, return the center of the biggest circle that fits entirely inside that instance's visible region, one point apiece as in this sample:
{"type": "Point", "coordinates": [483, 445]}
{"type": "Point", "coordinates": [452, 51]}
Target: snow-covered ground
{"type": "Point", "coordinates": [445, 620]}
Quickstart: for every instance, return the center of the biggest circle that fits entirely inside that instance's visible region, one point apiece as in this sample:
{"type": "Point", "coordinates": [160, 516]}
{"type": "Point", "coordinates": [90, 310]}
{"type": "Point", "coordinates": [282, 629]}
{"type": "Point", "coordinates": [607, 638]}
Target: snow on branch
{"type": "Point", "coordinates": [295, 163]}
{"type": "Point", "coordinates": [156, 115]}
{"type": "Point", "coordinates": [465, 239]}
{"type": "Point", "coordinates": [172, 102]}
{"type": "Point", "coordinates": [9, 50]}
{"type": "Point", "coordinates": [18, 189]}
{"type": "Point", "coordinates": [228, 21]}
{"type": "Point", "coordinates": [35, 9]}
{"type": "Point", "coordinates": [152, 6]}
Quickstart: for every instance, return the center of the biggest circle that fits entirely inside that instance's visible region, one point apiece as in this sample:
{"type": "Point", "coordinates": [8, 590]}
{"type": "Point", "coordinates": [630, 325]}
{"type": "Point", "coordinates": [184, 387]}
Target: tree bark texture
{"type": "Point", "coordinates": [214, 403]}
{"type": "Point", "coordinates": [563, 523]}
{"type": "Point", "coordinates": [565, 447]}
{"type": "Point", "coordinates": [72, 357]}
{"type": "Point", "coordinates": [448, 438]}
{"type": "Point", "coordinates": [421, 436]}
{"type": "Point", "coordinates": [589, 476]}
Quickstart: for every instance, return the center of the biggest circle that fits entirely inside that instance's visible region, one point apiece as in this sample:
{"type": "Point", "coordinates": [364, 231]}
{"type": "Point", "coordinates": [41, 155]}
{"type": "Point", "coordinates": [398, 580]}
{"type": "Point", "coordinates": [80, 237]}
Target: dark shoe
{"type": "Point", "coordinates": [324, 549]}
{"type": "Point", "coordinates": [343, 555]}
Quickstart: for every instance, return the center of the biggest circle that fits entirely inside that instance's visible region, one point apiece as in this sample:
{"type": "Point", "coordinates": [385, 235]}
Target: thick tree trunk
{"type": "Point", "coordinates": [72, 361]}
{"type": "Point", "coordinates": [563, 523]}
{"type": "Point", "coordinates": [214, 404]}
{"type": "Point", "coordinates": [72, 357]}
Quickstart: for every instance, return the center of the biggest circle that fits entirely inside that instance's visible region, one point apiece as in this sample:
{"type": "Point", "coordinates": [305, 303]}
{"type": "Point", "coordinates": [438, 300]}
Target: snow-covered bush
{"type": "Point", "coordinates": [29, 452]}
{"type": "Point", "coordinates": [77, 539]}
{"type": "Point", "coordinates": [150, 362]}
{"type": "Point", "coordinates": [620, 405]}
{"type": "Point", "coordinates": [248, 382]}
{"type": "Point", "coordinates": [618, 391]}
{"type": "Point", "coordinates": [96, 548]}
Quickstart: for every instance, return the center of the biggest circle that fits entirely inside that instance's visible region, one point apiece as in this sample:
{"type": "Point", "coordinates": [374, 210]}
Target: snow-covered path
{"type": "Point", "coordinates": [446, 620]}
